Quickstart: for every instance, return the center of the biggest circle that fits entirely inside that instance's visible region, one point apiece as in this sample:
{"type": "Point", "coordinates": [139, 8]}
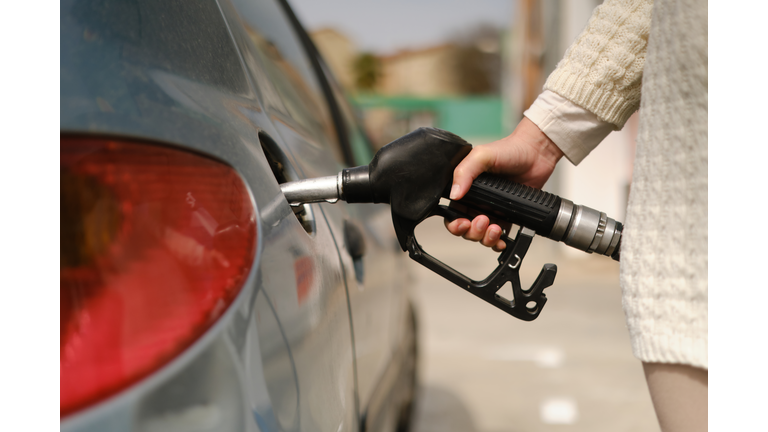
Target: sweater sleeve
{"type": "Point", "coordinates": [603, 69]}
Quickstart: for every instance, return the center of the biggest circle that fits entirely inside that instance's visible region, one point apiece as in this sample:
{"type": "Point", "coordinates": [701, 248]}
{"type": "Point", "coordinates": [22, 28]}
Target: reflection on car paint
{"type": "Point", "coordinates": [304, 270]}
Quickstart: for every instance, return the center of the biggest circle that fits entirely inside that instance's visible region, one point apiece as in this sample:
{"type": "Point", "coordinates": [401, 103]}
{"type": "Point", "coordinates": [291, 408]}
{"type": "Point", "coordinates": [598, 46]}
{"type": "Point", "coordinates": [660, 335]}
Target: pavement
{"type": "Point", "coordinates": [572, 369]}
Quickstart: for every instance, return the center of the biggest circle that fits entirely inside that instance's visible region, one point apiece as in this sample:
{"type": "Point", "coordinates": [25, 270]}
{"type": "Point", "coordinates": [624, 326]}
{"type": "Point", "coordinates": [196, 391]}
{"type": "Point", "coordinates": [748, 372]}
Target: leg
{"type": "Point", "coordinates": [679, 395]}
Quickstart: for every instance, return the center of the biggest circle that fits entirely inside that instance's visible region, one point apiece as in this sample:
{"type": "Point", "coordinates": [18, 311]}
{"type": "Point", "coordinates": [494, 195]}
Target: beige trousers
{"type": "Point", "coordinates": [679, 395]}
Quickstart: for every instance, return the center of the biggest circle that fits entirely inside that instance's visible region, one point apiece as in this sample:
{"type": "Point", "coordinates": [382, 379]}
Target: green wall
{"type": "Point", "coordinates": [478, 116]}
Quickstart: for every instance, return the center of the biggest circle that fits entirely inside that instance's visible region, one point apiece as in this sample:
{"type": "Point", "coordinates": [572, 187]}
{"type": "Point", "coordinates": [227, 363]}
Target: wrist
{"type": "Point", "coordinates": [546, 149]}
{"type": "Point", "coordinates": [550, 151]}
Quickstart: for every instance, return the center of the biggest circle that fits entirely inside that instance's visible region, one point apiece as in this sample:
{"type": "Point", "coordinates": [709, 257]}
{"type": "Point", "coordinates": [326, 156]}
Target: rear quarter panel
{"type": "Point", "coordinates": [168, 72]}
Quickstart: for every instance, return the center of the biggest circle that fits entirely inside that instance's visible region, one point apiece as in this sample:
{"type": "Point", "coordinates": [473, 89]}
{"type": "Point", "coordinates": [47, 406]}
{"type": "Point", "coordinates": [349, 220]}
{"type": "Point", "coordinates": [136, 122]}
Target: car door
{"type": "Point", "coordinates": [382, 313]}
{"type": "Point", "coordinates": [317, 132]}
{"type": "Point", "coordinates": [312, 311]}
{"type": "Point", "coordinates": [381, 305]}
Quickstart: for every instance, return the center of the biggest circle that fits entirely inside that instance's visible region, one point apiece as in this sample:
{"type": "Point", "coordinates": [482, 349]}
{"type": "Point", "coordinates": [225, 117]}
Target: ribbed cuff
{"type": "Point", "coordinates": [607, 106]}
{"type": "Point", "coordinates": [664, 348]}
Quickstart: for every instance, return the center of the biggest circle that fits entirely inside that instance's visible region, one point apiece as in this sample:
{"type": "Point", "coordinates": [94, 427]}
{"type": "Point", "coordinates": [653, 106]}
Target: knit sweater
{"type": "Point", "coordinates": [628, 49]}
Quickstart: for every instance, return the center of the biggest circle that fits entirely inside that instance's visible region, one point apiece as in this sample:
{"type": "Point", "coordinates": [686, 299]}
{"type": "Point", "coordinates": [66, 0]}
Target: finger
{"type": "Point", "coordinates": [477, 228]}
{"type": "Point", "coordinates": [458, 227]}
{"type": "Point", "coordinates": [499, 246]}
{"type": "Point", "coordinates": [474, 164]}
{"type": "Point", "coordinates": [492, 236]}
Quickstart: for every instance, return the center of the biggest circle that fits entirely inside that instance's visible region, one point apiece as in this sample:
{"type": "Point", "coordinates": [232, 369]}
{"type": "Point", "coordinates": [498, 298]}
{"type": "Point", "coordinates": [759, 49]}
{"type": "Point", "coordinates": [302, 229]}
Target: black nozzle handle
{"type": "Point", "coordinates": [547, 214]}
{"type": "Point", "coordinates": [409, 173]}
{"type": "Point", "coordinates": [514, 203]}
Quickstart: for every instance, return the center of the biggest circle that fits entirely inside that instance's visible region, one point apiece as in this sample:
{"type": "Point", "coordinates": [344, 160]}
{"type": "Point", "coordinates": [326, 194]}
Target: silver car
{"type": "Point", "coordinates": [193, 297]}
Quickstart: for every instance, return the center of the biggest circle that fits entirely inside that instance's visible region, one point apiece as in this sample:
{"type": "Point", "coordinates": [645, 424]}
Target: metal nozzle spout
{"type": "Point", "coordinates": [322, 189]}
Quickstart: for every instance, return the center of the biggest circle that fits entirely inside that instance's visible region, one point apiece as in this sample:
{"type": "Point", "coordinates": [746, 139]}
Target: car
{"type": "Point", "coordinates": [193, 296]}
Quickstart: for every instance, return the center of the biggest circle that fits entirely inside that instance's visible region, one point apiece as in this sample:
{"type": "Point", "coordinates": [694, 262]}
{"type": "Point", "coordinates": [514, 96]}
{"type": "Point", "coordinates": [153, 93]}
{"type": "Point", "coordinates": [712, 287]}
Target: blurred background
{"type": "Point", "coordinates": [473, 67]}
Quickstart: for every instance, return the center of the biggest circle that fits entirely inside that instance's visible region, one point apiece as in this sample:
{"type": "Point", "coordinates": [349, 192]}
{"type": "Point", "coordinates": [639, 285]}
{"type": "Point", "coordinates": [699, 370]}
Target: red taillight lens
{"type": "Point", "coordinates": [155, 245]}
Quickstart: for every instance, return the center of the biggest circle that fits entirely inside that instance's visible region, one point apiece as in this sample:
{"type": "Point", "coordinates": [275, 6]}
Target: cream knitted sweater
{"type": "Point", "coordinates": [658, 50]}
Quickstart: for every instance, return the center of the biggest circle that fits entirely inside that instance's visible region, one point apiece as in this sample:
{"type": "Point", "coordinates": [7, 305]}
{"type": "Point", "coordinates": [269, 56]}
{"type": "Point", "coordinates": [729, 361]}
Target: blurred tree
{"type": "Point", "coordinates": [367, 70]}
{"type": "Point", "coordinates": [477, 63]}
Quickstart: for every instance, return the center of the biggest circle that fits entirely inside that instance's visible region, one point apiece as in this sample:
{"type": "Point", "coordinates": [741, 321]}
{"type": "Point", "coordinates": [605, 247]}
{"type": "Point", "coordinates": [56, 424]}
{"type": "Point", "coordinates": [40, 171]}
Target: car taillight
{"type": "Point", "coordinates": [155, 245]}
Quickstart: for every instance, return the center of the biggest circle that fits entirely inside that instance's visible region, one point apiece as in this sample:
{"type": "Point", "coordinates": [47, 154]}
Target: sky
{"type": "Point", "coordinates": [384, 27]}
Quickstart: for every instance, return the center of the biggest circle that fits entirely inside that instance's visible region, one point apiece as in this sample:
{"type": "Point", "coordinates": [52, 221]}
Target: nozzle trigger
{"type": "Point", "coordinates": [525, 304]}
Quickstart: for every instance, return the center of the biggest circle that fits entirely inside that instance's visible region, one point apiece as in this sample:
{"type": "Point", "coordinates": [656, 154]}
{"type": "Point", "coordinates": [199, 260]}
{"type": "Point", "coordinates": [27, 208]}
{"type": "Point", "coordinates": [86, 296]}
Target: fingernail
{"type": "Point", "coordinates": [464, 226]}
{"type": "Point", "coordinates": [493, 234]}
{"type": "Point", "coordinates": [455, 189]}
{"type": "Point", "coordinates": [482, 224]}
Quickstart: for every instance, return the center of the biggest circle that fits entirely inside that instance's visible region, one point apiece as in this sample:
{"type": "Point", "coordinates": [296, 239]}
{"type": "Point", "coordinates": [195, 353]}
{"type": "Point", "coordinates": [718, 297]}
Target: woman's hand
{"type": "Point", "coordinates": [526, 156]}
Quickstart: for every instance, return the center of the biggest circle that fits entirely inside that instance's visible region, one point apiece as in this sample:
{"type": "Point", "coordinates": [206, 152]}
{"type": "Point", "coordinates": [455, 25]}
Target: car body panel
{"type": "Point", "coordinates": [283, 357]}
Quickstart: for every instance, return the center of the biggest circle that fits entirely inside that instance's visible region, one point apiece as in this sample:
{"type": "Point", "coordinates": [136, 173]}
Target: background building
{"type": "Point", "coordinates": [339, 52]}
{"type": "Point", "coordinates": [454, 85]}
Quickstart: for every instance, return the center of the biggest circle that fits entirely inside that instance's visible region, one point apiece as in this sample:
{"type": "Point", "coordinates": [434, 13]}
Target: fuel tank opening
{"type": "Point", "coordinates": [284, 173]}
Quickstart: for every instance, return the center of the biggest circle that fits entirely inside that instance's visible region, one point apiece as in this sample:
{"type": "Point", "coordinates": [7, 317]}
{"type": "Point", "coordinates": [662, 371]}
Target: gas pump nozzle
{"type": "Point", "coordinates": [415, 171]}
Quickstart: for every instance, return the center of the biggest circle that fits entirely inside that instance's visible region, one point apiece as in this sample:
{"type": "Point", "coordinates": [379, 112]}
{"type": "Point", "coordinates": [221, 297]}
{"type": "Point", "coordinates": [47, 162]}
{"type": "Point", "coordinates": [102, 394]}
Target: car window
{"type": "Point", "coordinates": [362, 151]}
{"type": "Point", "coordinates": [284, 59]}
{"type": "Point", "coordinates": [360, 145]}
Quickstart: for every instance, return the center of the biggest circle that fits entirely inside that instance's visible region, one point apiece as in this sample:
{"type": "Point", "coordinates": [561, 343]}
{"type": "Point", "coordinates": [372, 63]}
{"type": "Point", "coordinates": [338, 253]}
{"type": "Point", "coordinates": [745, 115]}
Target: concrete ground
{"type": "Point", "coordinates": [572, 369]}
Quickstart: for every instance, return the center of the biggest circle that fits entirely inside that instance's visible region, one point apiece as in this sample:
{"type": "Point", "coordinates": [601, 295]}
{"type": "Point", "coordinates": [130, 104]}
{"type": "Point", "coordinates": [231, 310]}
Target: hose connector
{"type": "Point", "coordinates": [587, 229]}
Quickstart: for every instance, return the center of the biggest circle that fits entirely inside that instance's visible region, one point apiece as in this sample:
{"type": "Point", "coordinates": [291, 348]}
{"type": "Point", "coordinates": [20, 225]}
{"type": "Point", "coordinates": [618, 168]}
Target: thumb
{"type": "Point", "coordinates": [475, 163]}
